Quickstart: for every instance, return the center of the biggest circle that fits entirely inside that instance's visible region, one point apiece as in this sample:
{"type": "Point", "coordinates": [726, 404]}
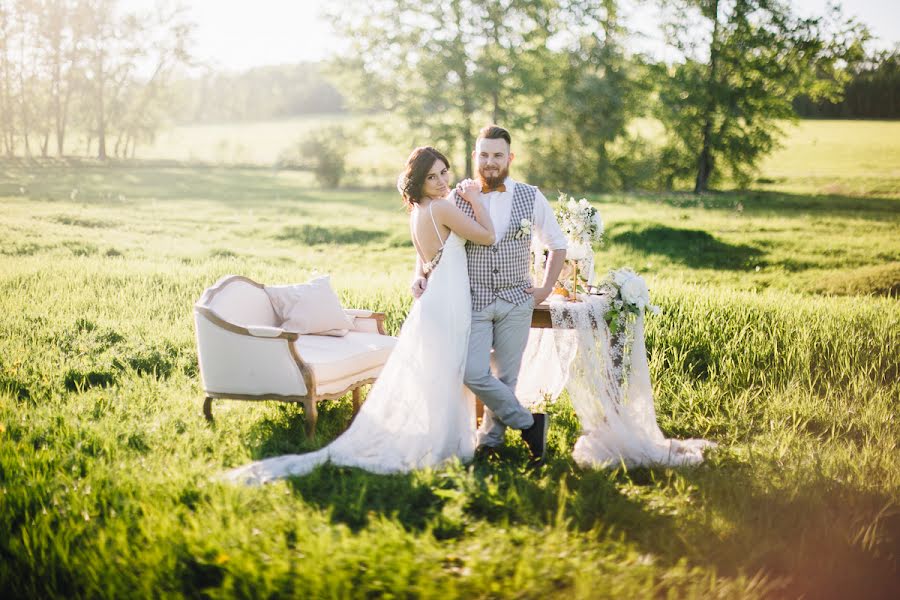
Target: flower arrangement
{"type": "Point", "coordinates": [581, 224]}
{"type": "Point", "coordinates": [630, 296]}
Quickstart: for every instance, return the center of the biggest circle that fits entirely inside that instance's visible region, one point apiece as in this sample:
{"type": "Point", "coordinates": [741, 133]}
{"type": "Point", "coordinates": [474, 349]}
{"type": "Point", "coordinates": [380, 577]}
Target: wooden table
{"type": "Point", "coordinates": [540, 319]}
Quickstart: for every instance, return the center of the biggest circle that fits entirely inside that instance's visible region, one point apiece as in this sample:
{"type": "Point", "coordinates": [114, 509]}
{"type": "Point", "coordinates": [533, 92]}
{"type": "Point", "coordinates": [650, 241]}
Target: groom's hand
{"type": "Point", "coordinates": [418, 287]}
{"type": "Point", "coordinates": [539, 293]}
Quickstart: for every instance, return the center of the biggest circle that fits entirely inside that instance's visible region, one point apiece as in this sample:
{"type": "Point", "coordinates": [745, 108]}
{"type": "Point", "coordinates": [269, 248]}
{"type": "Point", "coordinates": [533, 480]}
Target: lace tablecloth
{"type": "Point", "coordinates": [608, 380]}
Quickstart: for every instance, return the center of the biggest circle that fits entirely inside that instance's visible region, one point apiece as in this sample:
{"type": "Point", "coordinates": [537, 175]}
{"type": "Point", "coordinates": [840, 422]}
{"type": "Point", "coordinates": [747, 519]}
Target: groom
{"type": "Point", "coordinates": [503, 295]}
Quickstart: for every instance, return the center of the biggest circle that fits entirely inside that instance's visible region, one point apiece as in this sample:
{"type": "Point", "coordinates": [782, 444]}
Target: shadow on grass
{"type": "Point", "coordinates": [822, 538]}
{"type": "Point", "coordinates": [502, 490]}
{"type": "Point", "coordinates": [237, 188]}
{"type": "Point", "coordinates": [692, 247]}
{"type": "Point", "coordinates": [816, 538]}
{"type": "Point", "coordinates": [312, 235]}
{"type": "Point", "coordinates": [760, 201]}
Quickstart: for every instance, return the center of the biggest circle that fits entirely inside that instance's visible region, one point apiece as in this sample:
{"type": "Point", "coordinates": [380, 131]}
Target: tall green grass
{"type": "Point", "coordinates": [106, 465]}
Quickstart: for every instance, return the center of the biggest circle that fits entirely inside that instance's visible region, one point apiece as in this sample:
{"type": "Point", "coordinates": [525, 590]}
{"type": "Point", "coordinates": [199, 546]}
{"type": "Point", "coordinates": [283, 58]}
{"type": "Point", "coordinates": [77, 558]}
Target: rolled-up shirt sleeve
{"type": "Point", "coordinates": [545, 226]}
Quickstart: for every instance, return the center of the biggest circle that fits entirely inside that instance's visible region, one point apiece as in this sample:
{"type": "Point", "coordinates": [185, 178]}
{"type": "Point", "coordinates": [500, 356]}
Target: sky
{"type": "Point", "coordinates": [238, 35]}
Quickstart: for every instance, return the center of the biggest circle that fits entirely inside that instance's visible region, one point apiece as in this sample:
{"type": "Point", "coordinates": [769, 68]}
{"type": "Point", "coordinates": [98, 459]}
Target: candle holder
{"type": "Point", "coordinates": [575, 281]}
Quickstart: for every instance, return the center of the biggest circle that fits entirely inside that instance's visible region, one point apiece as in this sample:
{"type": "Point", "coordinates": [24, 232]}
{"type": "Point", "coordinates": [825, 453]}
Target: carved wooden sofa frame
{"type": "Point", "coordinates": [279, 346]}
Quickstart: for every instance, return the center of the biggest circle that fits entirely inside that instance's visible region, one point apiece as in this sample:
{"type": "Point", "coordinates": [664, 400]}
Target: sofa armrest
{"type": "Point", "coordinates": [366, 321]}
{"type": "Point", "coordinates": [257, 331]}
{"type": "Point", "coordinates": [264, 331]}
{"type": "Point", "coordinates": [236, 364]}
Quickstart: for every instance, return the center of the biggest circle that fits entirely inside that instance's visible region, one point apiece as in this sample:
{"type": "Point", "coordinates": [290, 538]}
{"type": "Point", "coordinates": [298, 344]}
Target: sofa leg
{"type": "Point", "coordinates": [207, 409]}
{"type": "Point", "coordinates": [356, 400]}
{"type": "Point", "coordinates": [312, 416]}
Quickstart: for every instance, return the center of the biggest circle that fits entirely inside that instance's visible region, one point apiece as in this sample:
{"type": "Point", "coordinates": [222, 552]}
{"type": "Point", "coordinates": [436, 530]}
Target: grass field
{"type": "Point", "coordinates": [850, 158]}
{"type": "Point", "coordinates": [779, 339]}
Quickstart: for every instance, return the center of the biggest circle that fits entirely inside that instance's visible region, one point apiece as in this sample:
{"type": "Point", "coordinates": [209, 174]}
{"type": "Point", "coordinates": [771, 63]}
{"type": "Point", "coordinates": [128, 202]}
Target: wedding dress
{"type": "Point", "coordinates": [416, 414]}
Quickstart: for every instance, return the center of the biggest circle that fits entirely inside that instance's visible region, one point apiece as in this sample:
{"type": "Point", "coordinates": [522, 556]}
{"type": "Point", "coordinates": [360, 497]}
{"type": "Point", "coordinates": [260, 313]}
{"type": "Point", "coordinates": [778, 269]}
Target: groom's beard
{"type": "Point", "coordinates": [492, 179]}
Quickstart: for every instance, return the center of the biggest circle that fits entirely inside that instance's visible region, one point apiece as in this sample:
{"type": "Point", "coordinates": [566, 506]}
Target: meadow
{"type": "Point", "coordinates": [779, 339]}
{"type": "Point", "coordinates": [817, 157]}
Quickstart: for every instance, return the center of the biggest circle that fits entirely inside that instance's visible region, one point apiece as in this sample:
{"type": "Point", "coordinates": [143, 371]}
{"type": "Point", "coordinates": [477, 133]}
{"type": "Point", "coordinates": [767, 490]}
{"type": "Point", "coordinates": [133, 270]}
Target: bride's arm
{"type": "Point", "coordinates": [481, 230]}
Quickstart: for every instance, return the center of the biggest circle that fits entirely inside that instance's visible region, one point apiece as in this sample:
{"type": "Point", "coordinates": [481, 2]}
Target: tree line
{"type": "Point", "coordinates": [873, 92]}
{"type": "Point", "coordinates": [86, 66]}
{"type": "Point", "coordinates": [261, 93]}
{"type": "Point", "coordinates": [557, 72]}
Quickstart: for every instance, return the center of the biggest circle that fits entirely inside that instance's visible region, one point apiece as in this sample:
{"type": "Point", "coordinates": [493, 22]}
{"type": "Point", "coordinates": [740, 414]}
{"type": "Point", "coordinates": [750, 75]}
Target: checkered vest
{"type": "Point", "coordinates": [502, 270]}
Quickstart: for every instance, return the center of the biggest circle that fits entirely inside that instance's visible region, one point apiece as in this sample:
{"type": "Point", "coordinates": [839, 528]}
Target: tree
{"type": "Point", "coordinates": [591, 91]}
{"type": "Point", "coordinates": [89, 62]}
{"type": "Point", "coordinates": [6, 80]}
{"type": "Point", "coordinates": [167, 36]}
{"type": "Point", "coordinates": [324, 151]}
{"type": "Point", "coordinates": [442, 66]}
{"type": "Point", "coordinates": [129, 60]}
{"type": "Point", "coordinates": [61, 31]}
{"type": "Point", "coordinates": [723, 103]}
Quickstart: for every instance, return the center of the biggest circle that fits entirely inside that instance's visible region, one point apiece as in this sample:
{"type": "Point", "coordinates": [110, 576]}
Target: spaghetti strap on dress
{"type": "Point", "coordinates": [429, 266]}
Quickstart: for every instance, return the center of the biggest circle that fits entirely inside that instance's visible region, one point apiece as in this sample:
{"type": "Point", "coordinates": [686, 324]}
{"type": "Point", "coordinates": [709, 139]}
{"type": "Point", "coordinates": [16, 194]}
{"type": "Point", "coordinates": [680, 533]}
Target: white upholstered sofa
{"type": "Point", "coordinates": [245, 355]}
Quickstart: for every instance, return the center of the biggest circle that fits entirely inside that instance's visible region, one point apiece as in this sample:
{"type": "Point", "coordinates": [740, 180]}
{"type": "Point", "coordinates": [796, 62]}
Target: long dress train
{"type": "Point", "coordinates": [416, 415]}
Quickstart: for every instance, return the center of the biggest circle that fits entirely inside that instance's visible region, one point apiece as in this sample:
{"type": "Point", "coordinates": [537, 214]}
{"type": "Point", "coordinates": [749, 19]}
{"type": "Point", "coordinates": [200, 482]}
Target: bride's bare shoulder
{"type": "Point", "coordinates": [445, 206]}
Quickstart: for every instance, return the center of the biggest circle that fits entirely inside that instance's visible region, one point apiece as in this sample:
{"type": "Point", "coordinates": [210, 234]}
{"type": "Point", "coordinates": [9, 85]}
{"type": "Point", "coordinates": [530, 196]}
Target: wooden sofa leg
{"type": "Point", "coordinates": [356, 400]}
{"type": "Point", "coordinates": [207, 409]}
{"type": "Point", "coordinates": [312, 416]}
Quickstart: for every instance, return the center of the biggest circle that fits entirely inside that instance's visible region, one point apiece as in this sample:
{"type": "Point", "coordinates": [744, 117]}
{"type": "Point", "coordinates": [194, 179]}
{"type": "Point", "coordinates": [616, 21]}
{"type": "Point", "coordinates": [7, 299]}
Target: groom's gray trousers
{"type": "Point", "coordinates": [503, 326]}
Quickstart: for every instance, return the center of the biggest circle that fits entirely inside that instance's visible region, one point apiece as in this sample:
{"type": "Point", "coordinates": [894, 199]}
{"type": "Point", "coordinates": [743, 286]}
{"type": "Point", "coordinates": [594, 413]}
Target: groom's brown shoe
{"type": "Point", "coordinates": [535, 437]}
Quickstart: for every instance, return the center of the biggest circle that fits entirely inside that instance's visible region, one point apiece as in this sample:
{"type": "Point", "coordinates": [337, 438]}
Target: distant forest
{"type": "Point", "coordinates": [282, 91]}
{"type": "Point", "coordinates": [873, 92]}
{"type": "Point", "coordinates": [262, 93]}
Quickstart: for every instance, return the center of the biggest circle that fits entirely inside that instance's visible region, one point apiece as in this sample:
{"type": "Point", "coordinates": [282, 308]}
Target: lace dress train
{"type": "Point", "coordinates": [416, 415]}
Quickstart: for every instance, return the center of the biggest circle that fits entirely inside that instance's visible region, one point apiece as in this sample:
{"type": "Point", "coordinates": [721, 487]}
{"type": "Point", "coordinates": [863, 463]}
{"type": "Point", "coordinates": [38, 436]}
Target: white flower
{"type": "Point", "coordinates": [524, 229]}
{"type": "Point", "coordinates": [634, 291]}
{"type": "Point", "coordinates": [620, 276]}
{"type": "Point", "coordinates": [599, 223]}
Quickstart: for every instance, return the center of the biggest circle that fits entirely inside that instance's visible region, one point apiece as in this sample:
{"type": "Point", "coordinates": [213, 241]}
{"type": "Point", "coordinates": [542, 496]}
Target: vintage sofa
{"type": "Point", "coordinates": [245, 355]}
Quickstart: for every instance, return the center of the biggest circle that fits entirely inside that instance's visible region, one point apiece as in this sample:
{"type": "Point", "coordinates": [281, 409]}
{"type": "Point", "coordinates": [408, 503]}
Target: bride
{"type": "Point", "coordinates": [416, 414]}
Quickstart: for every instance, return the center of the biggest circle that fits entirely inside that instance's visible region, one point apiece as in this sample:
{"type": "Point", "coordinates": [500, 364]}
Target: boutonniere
{"type": "Point", "coordinates": [524, 229]}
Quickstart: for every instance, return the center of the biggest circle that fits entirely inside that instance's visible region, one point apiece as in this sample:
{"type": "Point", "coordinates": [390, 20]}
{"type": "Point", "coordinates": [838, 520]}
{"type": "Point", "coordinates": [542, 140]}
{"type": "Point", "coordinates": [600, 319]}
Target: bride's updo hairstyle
{"type": "Point", "coordinates": [412, 179]}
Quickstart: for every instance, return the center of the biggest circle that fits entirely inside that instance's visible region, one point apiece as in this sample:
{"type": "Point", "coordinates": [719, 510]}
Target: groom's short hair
{"type": "Point", "coordinates": [494, 132]}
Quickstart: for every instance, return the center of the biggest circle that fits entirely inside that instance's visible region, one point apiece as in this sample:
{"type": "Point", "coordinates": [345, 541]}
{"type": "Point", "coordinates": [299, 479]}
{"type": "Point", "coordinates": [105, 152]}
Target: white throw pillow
{"type": "Point", "coordinates": [309, 308]}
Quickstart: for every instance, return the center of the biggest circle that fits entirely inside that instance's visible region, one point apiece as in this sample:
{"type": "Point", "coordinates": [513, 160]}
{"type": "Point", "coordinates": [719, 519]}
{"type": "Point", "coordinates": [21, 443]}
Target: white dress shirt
{"type": "Point", "coordinates": [546, 229]}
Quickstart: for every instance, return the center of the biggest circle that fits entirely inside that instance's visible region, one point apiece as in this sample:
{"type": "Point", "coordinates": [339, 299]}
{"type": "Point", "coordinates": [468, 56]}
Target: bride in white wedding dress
{"type": "Point", "coordinates": [416, 415]}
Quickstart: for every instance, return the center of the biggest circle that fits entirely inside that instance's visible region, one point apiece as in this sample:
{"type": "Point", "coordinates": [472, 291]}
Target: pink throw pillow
{"type": "Point", "coordinates": [310, 308]}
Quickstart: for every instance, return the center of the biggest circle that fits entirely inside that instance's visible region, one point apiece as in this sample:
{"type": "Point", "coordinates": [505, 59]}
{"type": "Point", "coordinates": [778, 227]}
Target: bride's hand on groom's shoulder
{"type": "Point", "coordinates": [468, 190]}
